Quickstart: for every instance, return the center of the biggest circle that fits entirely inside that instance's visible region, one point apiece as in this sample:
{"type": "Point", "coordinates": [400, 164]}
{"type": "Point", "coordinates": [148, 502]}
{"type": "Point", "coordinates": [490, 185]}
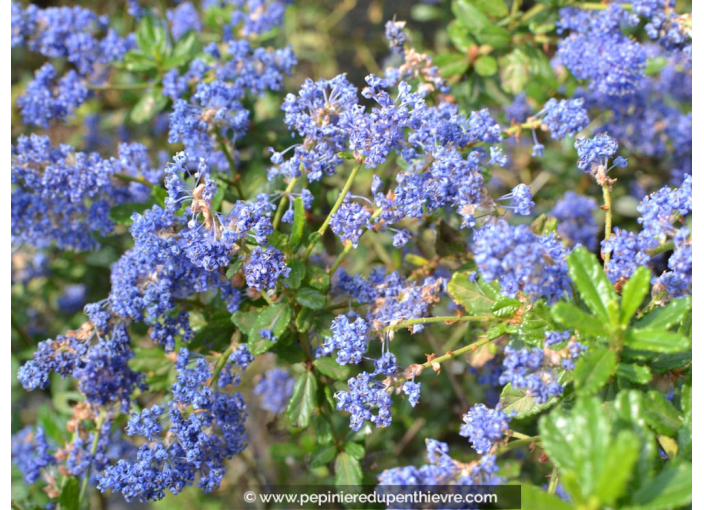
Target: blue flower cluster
{"type": "Point", "coordinates": [536, 370]}
{"type": "Point", "coordinates": [64, 196]}
{"type": "Point", "coordinates": [484, 427]}
{"type": "Point", "coordinates": [392, 297]}
{"type": "Point", "coordinates": [576, 223]}
{"type": "Point", "coordinates": [350, 339]}
{"type": "Point", "coordinates": [443, 470]}
{"type": "Point", "coordinates": [195, 444]}
{"type": "Point", "coordinates": [274, 390]}
{"type": "Point", "coordinates": [522, 261]}
{"type": "Point", "coordinates": [661, 213]}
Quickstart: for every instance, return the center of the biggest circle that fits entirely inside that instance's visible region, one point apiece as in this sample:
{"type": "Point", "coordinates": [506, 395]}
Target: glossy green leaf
{"type": "Point", "coordinates": [451, 64]}
{"type": "Point", "coordinates": [244, 320]}
{"type": "Point", "coordinates": [638, 374]}
{"type": "Point", "coordinates": [593, 370]}
{"type": "Point", "coordinates": [517, 401]}
{"type": "Point", "coordinates": [323, 430]}
{"type": "Point", "coordinates": [629, 414]}
{"type": "Point", "coordinates": [299, 222]}
{"type": "Point", "coordinates": [496, 331]}
{"type": "Point", "coordinates": [477, 297]}
{"type": "Point", "coordinates": [303, 400]}
{"type": "Point", "coordinates": [69, 499]}
{"type": "Point", "coordinates": [505, 307]}
{"type": "Point", "coordinates": [493, 35]}
{"type": "Point", "coordinates": [618, 467]}
{"type": "Point", "coordinates": [661, 415]}
{"type": "Point", "coordinates": [234, 268]}
{"type": "Point", "coordinates": [657, 340]}
{"type": "Point", "coordinates": [668, 316]}
{"type": "Point", "coordinates": [535, 497]}
{"type": "Point", "coordinates": [594, 287]}
{"type": "Point", "coordinates": [275, 318]}
{"type": "Point", "coordinates": [298, 272]}
{"type": "Point", "coordinates": [535, 322]}
{"type": "Point", "coordinates": [323, 455]}
{"type": "Point", "coordinates": [672, 488]}
{"type": "Point", "coordinates": [495, 8]}
{"type": "Point", "coordinates": [330, 368]}
{"type": "Point", "coordinates": [122, 213]}
{"type": "Point", "coordinates": [348, 470]}
{"type": "Point", "coordinates": [486, 65]}
{"type": "Point", "coordinates": [460, 36]}
{"type": "Point", "coordinates": [355, 450]}
{"type": "Point", "coordinates": [576, 441]}
{"type": "Point", "coordinates": [318, 278]}
{"type": "Point", "coordinates": [469, 15]}
{"type": "Point", "coordinates": [304, 320]}
{"type": "Point", "coordinates": [310, 298]}
{"type": "Point", "coordinates": [572, 317]}
{"type": "Point", "coordinates": [187, 46]}
{"type": "Point", "coordinates": [635, 289]}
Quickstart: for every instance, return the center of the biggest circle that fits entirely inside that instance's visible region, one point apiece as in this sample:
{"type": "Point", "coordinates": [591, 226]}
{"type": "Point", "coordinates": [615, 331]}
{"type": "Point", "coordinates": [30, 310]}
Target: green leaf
{"type": "Point", "coordinates": [496, 331]}
{"type": "Point", "coordinates": [146, 34]}
{"type": "Point", "coordinates": [657, 340]}
{"type": "Point", "coordinates": [580, 445]}
{"type": "Point", "coordinates": [122, 213]}
{"type": "Point", "coordinates": [274, 318]}
{"type": "Point", "coordinates": [299, 222]}
{"type": "Point", "coordinates": [70, 494]}
{"type": "Point", "coordinates": [661, 415]}
{"type": "Point", "coordinates": [486, 65]}
{"type": "Point", "coordinates": [188, 46]}
{"type": "Point", "coordinates": [244, 320]}
{"type": "Point", "coordinates": [535, 497]}
{"type": "Point", "coordinates": [451, 64]}
{"type": "Point", "coordinates": [629, 414]}
{"type": "Point", "coordinates": [514, 71]}
{"type": "Point", "coordinates": [594, 369]}
{"type": "Point", "coordinates": [469, 15]}
{"type": "Point", "coordinates": [594, 287]}
{"type": "Point", "coordinates": [330, 367]}
{"type": "Point", "coordinates": [302, 404]}
{"type": "Point", "coordinates": [572, 317]}
{"type": "Point", "coordinates": [495, 8]}
{"type": "Point", "coordinates": [672, 488]}
{"type": "Point", "coordinates": [323, 455]}
{"type": "Point", "coordinates": [138, 61]}
{"type": "Point", "coordinates": [348, 470]}
{"type": "Point", "coordinates": [355, 450]}
{"type": "Point", "coordinates": [535, 322]}
{"type": "Point", "coordinates": [618, 468]}
{"type": "Point", "coordinates": [233, 269]}
{"type": "Point", "coordinates": [513, 400]}
{"type": "Point", "coordinates": [493, 35]}
{"type": "Point", "coordinates": [344, 155]}
{"type": "Point", "coordinates": [635, 373]}
{"type": "Point", "coordinates": [655, 64]}
{"type": "Point", "coordinates": [460, 36]}
{"type": "Point", "coordinates": [668, 316]}
{"type": "Point", "coordinates": [318, 278]}
{"type": "Point", "coordinates": [148, 105]}
{"type": "Point", "coordinates": [323, 430]}
{"type": "Point", "coordinates": [304, 320]}
{"type": "Point", "coordinates": [298, 272]}
{"type": "Point", "coordinates": [310, 298]}
{"type": "Point", "coordinates": [505, 307]}
{"type": "Point", "coordinates": [477, 298]}
{"type": "Point", "coordinates": [635, 289]}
